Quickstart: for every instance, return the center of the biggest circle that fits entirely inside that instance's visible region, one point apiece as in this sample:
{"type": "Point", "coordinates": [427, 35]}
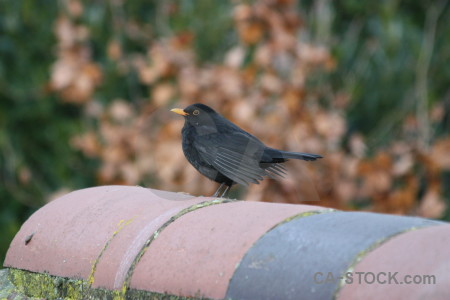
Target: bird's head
{"type": "Point", "coordinates": [197, 114]}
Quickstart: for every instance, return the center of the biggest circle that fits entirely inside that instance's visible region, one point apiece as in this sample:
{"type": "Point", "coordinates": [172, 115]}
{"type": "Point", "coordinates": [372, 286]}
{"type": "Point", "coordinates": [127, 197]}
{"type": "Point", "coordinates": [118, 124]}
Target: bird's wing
{"type": "Point", "coordinates": [235, 155]}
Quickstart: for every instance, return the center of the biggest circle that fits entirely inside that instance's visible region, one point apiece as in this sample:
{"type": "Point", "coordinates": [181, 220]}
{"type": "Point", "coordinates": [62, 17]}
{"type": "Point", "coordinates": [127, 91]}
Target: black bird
{"type": "Point", "coordinates": [225, 153]}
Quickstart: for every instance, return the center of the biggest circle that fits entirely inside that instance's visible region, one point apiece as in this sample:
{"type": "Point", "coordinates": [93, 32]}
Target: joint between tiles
{"type": "Point", "coordinates": [122, 224]}
{"type": "Point", "coordinates": [155, 234]}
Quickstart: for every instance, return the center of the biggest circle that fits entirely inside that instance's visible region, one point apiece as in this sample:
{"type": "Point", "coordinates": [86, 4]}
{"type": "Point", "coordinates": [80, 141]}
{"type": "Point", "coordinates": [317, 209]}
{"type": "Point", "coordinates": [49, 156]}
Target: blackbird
{"type": "Point", "coordinates": [225, 153]}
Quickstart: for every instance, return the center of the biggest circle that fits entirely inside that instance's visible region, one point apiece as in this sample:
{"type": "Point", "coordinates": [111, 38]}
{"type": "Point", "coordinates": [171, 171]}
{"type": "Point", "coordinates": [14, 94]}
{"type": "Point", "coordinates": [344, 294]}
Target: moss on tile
{"type": "Point", "coordinates": [18, 284]}
{"type": "Point", "coordinates": [40, 285]}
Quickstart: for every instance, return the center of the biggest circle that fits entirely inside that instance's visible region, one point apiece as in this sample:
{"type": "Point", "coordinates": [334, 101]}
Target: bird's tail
{"type": "Point", "coordinates": [271, 155]}
{"type": "Point", "coordinates": [300, 155]}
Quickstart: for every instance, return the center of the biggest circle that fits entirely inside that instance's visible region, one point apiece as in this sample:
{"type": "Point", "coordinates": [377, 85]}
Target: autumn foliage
{"type": "Point", "coordinates": [261, 84]}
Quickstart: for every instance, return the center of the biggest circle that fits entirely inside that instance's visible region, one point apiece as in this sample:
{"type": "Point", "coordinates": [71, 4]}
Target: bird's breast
{"type": "Point", "coordinates": [189, 150]}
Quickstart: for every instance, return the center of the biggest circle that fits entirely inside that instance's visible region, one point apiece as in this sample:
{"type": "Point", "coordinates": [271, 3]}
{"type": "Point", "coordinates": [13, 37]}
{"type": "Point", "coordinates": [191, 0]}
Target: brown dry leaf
{"type": "Point", "coordinates": [298, 76]}
{"type": "Point", "coordinates": [401, 201]}
{"type": "Point", "coordinates": [65, 32]}
{"type": "Point", "coordinates": [92, 72]}
{"type": "Point", "coordinates": [433, 172]}
{"type": "Point", "coordinates": [346, 190]}
{"type": "Point", "coordinates": [432, 205]}
{"type": "Point", "coordinates": [148, 75]}
{"type": "Point", "coordinates": [348, 168]}
{"type": "Point", "coordinates": [73, 75]}
{"type": "Point", "coordinates": [107, 173]}
{"type": "Point", "coordinates": [62, 74]}
{"type": "Point", "coordinates": [110, 134]}
{"type": "Point", "coordinates": [332, 126]}
{"type": "Point", "coordinates": [235, 57]}
{"type": "Point", "coordinates": [83, 85]}
{"type": "Point", "coordinates": [403, 165]}
{"type": "Point", "coordinates": [182, 40]}
{"type": "Point", "coordinates": [162, 93]}
{"type": "Point", "coordinates": [114, 155]}
{"type": "Point", "coordinates": [169, 160]}
{"type": "Point", "coordinates": [121, 111]}
{"type": "Point", "coordinates": [242, 12]}
{"type": "Point", "coordinates": [188, 84]}
{"type": "Point", "coordinates": [130, 173]}
{"type": "Point", "coordinates": [229, 83]}
{"type": "Point", "coordinates": [114, 50]}
{"type": "Point", "coordinates": [145, 162]}
{"type": "Point", "coordinates": [75, 8]}
{"type": "Point", "coordinates": [313, 55]}
{"type": "Point", "coordinates": [88, 143]}
{"type": "Point", "coordinates": [383, 161]}
{"type": "Point", "coordinates": [357, 145]}
{"type": "Point", "coordinates": [271, 83]}
{"type": "Point", "coordinates": [440, 153]}
{"type": "Point", "coordinates": [243, 112]}
{"type": "Point", "coordinates": [263, 55]}
{"type": "Point", "coordinates": [378, 182]}
{"type": "Point", "coordinates": [401, 148]}
{"type": "Point", "coordinates": [160, 65]}
{"type": "Point", "coordinates": [250, 32]}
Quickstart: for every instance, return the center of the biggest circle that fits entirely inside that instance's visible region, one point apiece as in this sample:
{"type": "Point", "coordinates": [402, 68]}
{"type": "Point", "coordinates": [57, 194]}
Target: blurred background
{"type": "Point", "coordinates": [86, 88]}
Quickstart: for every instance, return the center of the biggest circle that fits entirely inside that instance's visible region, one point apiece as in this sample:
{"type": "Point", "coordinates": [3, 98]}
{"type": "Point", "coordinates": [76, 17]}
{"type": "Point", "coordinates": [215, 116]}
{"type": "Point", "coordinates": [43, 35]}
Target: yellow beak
{"type": "Point", "coordinates": [179, 111]}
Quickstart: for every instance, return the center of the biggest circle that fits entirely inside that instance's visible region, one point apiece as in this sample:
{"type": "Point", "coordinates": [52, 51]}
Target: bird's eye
{"type": "Point", "coordinates": [196, 112]}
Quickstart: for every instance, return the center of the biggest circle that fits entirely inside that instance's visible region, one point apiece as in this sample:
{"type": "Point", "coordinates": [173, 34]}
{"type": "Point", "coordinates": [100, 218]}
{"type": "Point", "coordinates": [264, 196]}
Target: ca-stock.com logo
{"type": "Point", "coordinates": [372, 278]}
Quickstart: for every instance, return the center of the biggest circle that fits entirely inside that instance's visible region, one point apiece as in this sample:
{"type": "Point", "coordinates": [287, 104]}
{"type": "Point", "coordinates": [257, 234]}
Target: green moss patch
{"type": "Point", "coordinates": [18, 284]}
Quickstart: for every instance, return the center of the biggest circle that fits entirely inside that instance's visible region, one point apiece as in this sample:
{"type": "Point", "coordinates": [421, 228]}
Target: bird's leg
{"type": "Point", "coordinates": [216, 194]}
{"type": "Point", "coordinates": [225, 192]}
